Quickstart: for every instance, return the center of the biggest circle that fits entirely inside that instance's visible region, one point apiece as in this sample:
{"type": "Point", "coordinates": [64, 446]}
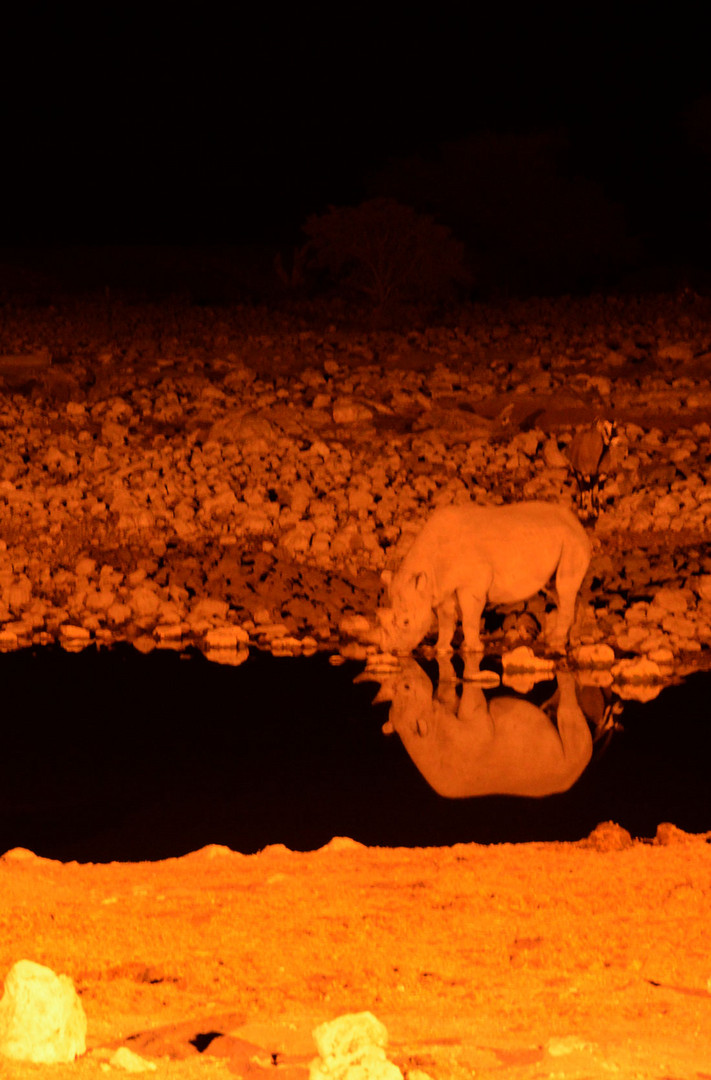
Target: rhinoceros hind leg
{"type": "Point", "coordinates": [572, 569]}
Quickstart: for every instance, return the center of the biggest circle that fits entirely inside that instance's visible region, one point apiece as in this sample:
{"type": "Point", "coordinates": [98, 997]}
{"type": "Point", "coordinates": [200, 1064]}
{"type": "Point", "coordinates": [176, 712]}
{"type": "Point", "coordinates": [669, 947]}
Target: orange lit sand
{"type": "Point", "coordinates": [516, 961]}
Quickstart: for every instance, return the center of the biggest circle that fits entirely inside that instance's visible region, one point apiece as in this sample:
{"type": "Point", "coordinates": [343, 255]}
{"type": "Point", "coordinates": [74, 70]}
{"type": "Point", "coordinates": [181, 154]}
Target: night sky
{"type": "Point", "coordinates": [125, 126]}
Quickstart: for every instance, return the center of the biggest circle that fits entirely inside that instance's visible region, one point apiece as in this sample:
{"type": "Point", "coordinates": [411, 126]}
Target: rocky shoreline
{"type": "Point", "coordinates": [227, 487]}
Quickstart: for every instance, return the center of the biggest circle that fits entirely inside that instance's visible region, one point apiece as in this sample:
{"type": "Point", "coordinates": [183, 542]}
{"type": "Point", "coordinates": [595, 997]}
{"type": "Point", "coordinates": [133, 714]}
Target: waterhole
{"type": "Point", "coordinates": [113, 755]}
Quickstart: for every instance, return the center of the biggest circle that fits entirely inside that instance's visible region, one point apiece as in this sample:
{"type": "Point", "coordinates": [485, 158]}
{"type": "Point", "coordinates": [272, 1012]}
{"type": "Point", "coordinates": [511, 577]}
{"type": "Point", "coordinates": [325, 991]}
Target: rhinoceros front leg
{"type": "Point", "coordinates": [447, 621]}
{"type": "Point", "coordinates": [471, 605]}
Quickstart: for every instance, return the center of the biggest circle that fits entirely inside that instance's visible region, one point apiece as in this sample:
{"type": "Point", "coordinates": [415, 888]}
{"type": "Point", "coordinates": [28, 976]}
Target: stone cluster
{"type": "Point", "coordinates": [250, 488]}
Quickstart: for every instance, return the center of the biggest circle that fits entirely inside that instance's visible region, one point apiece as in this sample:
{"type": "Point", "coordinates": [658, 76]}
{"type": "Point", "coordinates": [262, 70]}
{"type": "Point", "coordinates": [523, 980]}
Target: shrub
{"type": "Point", "coordinates": [387, 251]}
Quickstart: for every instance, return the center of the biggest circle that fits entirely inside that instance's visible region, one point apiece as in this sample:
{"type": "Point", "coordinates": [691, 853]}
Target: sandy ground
{"type": "Point", "coordinates": [570, 960]}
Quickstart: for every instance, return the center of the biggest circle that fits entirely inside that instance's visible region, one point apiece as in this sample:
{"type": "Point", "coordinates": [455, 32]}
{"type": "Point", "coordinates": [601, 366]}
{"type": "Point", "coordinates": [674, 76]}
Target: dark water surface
{"type": "Point", "coordinates": [113, 755]}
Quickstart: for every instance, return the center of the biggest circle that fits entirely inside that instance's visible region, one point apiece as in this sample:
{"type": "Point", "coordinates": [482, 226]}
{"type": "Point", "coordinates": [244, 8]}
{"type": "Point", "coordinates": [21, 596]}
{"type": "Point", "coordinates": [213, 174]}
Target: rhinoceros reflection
{"type": "Point", "coordinates": [468, 745]}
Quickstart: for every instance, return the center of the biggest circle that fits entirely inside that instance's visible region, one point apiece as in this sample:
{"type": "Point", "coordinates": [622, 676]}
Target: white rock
{"type": "Point", "coordinates": [352, 1047]}
{"type": "Point", "coordinates": [568, 1044]}
{"type": "Point", "coordinates": [524, 659]}
{"type": "Point", "coordinates": [130, 1062]}
{"type": "Point", "coordinates": [41, 1018]}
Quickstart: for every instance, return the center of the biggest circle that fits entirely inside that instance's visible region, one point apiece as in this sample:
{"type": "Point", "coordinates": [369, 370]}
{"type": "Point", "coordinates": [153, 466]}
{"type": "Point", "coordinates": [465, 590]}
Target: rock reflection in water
{"type": "Point", "coordinates": [466, 743]}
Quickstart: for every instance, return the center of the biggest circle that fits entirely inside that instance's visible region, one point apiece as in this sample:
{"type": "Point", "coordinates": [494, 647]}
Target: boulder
{"type": "Point", "coordinates": [348, 411]}
{"type": "Point", "coordinates": [41, 1018]}
{"type": "Point", "coordinates": [352, 1047]}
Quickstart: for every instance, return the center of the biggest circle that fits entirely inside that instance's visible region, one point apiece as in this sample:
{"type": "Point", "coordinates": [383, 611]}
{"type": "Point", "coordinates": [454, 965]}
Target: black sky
{"type": "Point", "coordinates": [130, 124]}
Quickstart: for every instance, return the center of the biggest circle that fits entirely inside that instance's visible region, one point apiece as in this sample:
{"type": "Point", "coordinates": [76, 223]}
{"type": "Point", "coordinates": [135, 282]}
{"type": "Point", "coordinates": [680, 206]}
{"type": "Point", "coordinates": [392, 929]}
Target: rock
{"type": "Point", "coordinates": [356, 626]}
{"type": "Point", "coordinates": [118, 613]}
{"type": "Point", "coordinates": [662, 656]}
{"type": "Point", "coordinates": [99, 599]}
{"type": "Point", "coordinates": [524, 659]}
{"type": "Point", "coordinates": [354, 650]}
{"type": "Point", "coordinates": [703, 586]}
{"type": "Point", "coordinates": [273, 630]}
{"type": "Point", "coordinates": [144, 601]}
{"type": "Point", "coordinates": [377, 664]}
{"type": "Point", "coordinates": [594, 656]}
{"type": "Point", "coordinates": [632, 638]}
{"type": "Point", "coordinates": [287, 645]}
{"type": "Point", "coordinates": [681, 351]}
{"type": "Point", "coordinates": [352, 1047]}
{"type": "Point", "coordinates": [125, 1059]}
{"type": "Point", "coordinates": [527, 442]}
{"type": "Point", "coordinates": [670, 600]}
{"type": "Point", "coordinates": [227, 657]}
{"type": "Point", "coordinates": [41, 1018]}
{"type": "Point", "coordinates": [297, 540]}
{"type": "Point", "coordinates": [670, 834]}
{"type": "Point", "coordinates": [85, 567]}
{"type": "Point", "coordinates": [114, 434]}
{"type": "Point", "coordinates": [608, 836]}
{"type": "Point", "coordinates": [24, 363]}
{"type": "Point", "coordinates": [241, 426]}
{"type": "Point", "coordinates": [639, 669]}
{"type": "Point", "coordinates": [74, 634]}
{"type": "Point", "coordinates": [568, 1044]}
{"type": "Point", "coordinates": [348, 411]}
{"type": "Point", "coordinates": [226, 637]}
{"type": "Point", "coordinates": [18, 595]}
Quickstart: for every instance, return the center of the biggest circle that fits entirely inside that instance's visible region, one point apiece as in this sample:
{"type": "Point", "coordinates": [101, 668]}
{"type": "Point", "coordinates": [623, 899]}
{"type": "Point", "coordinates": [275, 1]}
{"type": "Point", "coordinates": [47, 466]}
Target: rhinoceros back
{"type": "Point", "coordinates": [516, 547]}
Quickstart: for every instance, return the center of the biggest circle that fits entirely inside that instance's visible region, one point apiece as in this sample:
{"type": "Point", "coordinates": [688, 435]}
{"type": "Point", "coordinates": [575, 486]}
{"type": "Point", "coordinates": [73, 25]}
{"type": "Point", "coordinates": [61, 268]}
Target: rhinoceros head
{"type": "Point", "coordinates": [405, 622]}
